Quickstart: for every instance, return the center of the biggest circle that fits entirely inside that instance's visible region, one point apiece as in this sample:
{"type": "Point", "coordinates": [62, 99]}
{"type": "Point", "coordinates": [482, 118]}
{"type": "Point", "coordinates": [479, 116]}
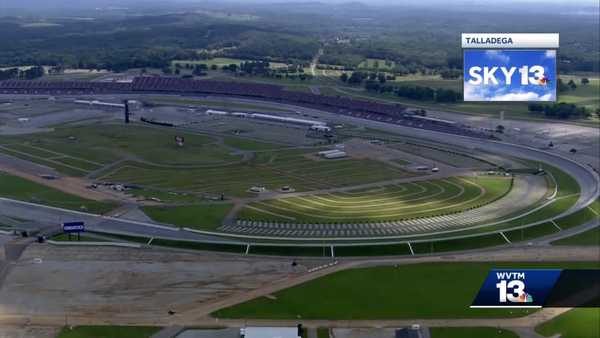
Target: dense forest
{"type": "Point", "coordinates": [412, 38]}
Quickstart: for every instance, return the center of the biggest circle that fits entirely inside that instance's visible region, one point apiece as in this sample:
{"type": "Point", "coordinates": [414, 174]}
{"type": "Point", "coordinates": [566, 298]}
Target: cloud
{"type": "Point", "coordinates": [550, 54]}
{"type": "Point", "coordinates": [502, 93]}
{"type": "Point", "coordinates": [496, 55]}
{"type": "Point", "coordinates": [522, 96]}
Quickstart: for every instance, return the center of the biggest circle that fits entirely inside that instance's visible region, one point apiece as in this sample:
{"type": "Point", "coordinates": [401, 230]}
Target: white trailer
{"type": "Point", "coordinates": [100, 103]}
{"type": "Point", "coordinates": [326, 152]}
{"type": "Point", "coordinates": [337, 154]}
{"type": "Point", "coordinates": [216, 112]}
{"type": "Point", "coordinates": [285, 119]}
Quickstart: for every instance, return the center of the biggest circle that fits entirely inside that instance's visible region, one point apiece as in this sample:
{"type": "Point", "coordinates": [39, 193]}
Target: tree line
{"type": "Point", "coordinates": [559, 110]}
{"type": "Point", "coordinates": [377, 83]}
{"type": "Point", "coordinates": [22, 74]}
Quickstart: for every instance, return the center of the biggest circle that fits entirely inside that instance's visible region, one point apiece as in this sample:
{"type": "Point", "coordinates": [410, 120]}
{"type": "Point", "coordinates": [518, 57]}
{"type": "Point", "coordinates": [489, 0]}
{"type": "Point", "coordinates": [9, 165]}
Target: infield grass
{"type": "Point", "coordinates": [471, 332]}
{"type": "Point", "coordinates": [21, 189]}
{"type": "Point", "coordinates": [108, 332]}
{"type": "Point", "coordinates": [587, 238]}
{"type": "Point", "coordinates": [272, 169]}
{"type": "Point", "coordinates": [86, 148]}
{"type": "Point", "coordinates": [207, 216]}
{"type": "Point", "coordinates": [576, 323]}
{"type": "Point", "coordinates": [403, 201]}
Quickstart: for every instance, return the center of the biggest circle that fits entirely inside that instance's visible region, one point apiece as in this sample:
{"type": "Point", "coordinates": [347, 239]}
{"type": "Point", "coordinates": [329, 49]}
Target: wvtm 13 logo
{"type": "Point", "coordinates": [514, 288]}
{"type": "Point", "coordinates": [511, 288]}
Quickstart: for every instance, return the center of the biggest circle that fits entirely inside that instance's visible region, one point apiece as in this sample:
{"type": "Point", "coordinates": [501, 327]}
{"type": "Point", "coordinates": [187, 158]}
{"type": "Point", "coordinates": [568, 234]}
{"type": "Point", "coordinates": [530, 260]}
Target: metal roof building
{"type": "Point", "coordinates": [270, 332]}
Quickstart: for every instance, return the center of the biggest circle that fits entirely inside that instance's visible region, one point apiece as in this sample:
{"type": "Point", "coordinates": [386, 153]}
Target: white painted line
{"type": "Point", "coordinates": [411, 249]}
{"type": "Point", "coordinates": [247, 249]}
{"type": "Point", "coordinates": [150, 241]}
{"type": "Point", "coordinates": [501, 233]}
{"type": "Point", "coordinates": [556, 225]}
{"type": "Point", "coordinates": [89, 214]}
{"type": "Point", "coordinates": [126, 245]}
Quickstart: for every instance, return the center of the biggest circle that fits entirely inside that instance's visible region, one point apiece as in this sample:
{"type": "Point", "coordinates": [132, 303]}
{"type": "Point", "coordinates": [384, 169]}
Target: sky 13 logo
{"type": "Point", "coordinates": [534, 75]}
{"type": "Point", "coordinates": [509, 75]}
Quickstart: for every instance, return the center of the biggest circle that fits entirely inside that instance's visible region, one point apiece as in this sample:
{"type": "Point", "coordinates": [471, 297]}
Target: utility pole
{"type": "Point", "coordinates": [126, 103]}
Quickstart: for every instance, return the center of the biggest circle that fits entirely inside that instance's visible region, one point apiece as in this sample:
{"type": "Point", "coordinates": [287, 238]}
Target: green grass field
{"type": "Point", "coordinates": [200, 216]}
{"type": "Point", "coordinates": [86, 148]}
{"type": "Point", "coordinates": [585, 95]}
{"type": "Point", "coordinates": [577, 323]}
{"type": "Point", "coordinates": [82, 238]}
{"type": "Point", "coordinates": [250, 145]}
{"type": "Point", "coordinates": [403, 201]}
{"type": "Point", "coordinates": [108, 332]}
{"type": "Point", "coordinates": [590, 237]}
{"type": "Point", "coordinates": [21, 189]}
{"type": "Point", "coordinates": [322, 332]}
{"type": "Point", "coordinates": [447, 156]}
{"type": "Point", "coordinates": [379, 64]}
{"type": "Point", "coordinates": [445, 290]}
{"type": "Point", "coordinates": [272, 169]}
{"type": "Point", "coordinates": [470, 332]}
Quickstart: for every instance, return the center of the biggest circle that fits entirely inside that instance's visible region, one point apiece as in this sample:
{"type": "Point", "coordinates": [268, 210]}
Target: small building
{"type": "Point", "coordinates": [100, 103]}
{"type": "Point", "coordinates": [216, 112]}
{"type": "Point", "coordinates": [269, 332]}
{"type": "Point", "coordinates": [325, 152]}
{"type": "Point", "coordinates": [337, 154]}
{"type": "Point", "coordinates": [285, 119]}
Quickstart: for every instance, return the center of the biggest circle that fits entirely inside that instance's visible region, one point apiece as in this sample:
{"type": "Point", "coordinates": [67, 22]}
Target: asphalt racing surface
{"type": "Point", "coordinates": [585, 176]}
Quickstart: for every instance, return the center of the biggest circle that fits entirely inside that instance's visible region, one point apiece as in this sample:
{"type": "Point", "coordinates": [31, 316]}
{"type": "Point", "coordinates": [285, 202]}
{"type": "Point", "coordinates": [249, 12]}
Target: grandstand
{"type": "Point", "coordinates": [387, 113]}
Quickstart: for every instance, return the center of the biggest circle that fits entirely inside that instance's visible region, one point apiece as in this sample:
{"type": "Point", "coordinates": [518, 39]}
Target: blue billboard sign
{"type": "Point", "coordinates": [72, 227]}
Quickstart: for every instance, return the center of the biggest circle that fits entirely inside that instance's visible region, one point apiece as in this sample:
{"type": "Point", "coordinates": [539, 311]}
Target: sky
{"type": "Point", "coordinates": [515, 91]}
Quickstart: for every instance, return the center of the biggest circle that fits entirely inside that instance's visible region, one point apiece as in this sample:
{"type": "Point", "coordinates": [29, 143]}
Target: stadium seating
{"type": "Point", "coordinates": [375, 111]}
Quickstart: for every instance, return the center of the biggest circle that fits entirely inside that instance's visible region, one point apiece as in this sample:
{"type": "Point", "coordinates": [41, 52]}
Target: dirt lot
{"type": "Point", "coordinates": [109, 283]}
{"type": "Point", "coordinates": [28, 332]}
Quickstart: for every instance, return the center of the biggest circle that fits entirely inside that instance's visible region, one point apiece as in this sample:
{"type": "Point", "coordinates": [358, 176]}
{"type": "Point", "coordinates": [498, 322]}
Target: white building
{"type": "Point", "coordinates": [269, 332]}
{"type": "Point", "coordinates": [337, 154]}
{"type": "Point", "coordinates": [100, 103]}
{"type": "Point", "coordinates": [325, 152]}
{"type": "Point", "coordinates": [285, 119]}
{"type": "Point", "coordinates": [333, 153]}
{"type": "Point", "coordinates": [216, 112]}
